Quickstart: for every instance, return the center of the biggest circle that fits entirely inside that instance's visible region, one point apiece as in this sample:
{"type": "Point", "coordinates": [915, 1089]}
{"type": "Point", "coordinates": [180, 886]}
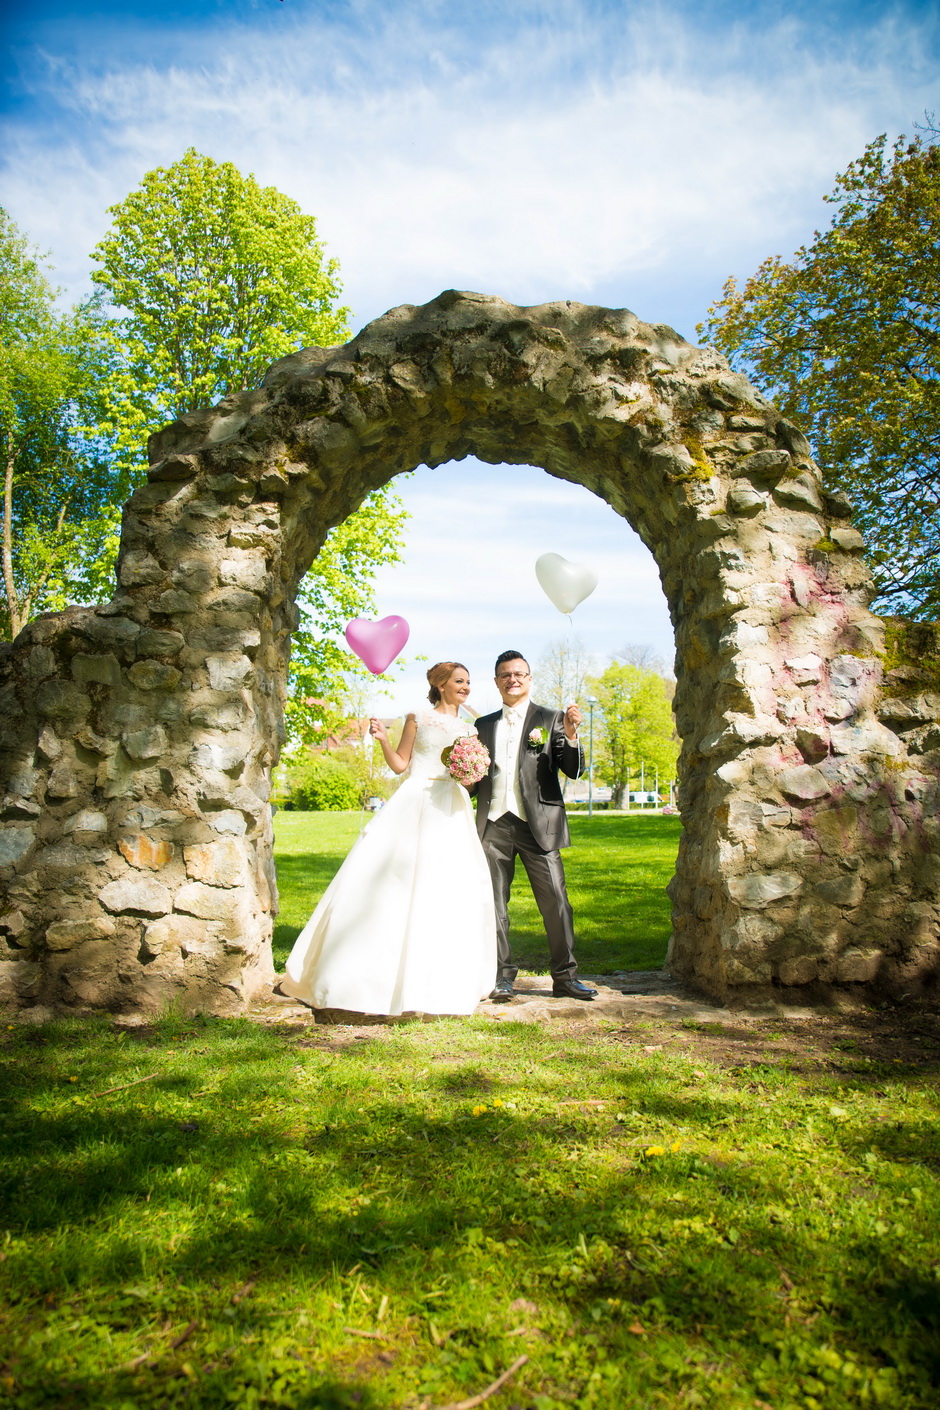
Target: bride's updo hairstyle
{"type": "Point", "coordinates": [439, 675]}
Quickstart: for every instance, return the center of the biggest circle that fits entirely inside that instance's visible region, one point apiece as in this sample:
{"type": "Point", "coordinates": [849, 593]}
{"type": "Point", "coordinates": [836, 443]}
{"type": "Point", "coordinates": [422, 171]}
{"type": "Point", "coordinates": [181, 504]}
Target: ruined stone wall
{"type": "Point", "coordinates": [138, 736]}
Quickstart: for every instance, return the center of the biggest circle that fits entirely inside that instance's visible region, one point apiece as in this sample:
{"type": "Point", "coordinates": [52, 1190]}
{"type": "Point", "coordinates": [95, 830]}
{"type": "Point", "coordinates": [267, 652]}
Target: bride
{"type": "Point", "coordinates": [408, 922]}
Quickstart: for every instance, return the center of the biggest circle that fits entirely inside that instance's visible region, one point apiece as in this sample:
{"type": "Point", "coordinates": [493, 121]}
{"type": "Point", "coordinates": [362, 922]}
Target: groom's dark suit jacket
{"type": "Point", "coordinates": [538, 775]}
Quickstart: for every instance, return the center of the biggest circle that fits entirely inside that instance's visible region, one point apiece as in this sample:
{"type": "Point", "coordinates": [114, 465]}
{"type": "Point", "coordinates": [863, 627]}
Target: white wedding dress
{"type": "Point", "coordinates": [408, 922]}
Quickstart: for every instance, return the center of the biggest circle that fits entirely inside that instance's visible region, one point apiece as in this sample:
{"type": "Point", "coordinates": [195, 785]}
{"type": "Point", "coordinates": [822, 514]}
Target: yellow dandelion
{"type": "Point", "coordinates": [497, 1101]}
{"type": "Point", "coordinates": [655, 1150]}
{"type": "Point", "coordinates": [479, 1110]}
{"type": "Point", "coordinates": [676, 1145]}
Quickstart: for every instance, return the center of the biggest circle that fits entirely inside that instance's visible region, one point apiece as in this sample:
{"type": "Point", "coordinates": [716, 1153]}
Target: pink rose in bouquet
{"type": "Point", "coordinates": [467, 760]}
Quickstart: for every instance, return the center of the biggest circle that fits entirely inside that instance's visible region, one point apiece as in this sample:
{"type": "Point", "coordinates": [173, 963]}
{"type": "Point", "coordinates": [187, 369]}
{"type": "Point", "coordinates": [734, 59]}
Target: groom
{"type": "Point", "coordinates": [521, 812]}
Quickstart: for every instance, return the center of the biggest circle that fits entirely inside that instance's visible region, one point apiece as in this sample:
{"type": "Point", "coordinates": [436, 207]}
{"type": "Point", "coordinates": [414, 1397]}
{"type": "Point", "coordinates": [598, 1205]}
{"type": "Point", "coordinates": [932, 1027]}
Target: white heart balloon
{"type": "Point", "coordinates": [565, 584]}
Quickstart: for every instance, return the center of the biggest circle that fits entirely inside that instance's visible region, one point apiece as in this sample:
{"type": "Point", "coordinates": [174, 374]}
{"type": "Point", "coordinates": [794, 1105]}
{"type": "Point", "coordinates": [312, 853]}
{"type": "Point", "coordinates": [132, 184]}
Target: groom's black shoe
{"type": "Point", "coordinates": [502, 991]}
{"type": "Point", "coordinates": [572, 989]}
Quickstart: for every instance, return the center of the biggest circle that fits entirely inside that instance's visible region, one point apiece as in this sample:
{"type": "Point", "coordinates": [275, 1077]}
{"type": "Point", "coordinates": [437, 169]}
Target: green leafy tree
{"type": "Point", "coordinates": [213, 277]}
{"type": "Point", "coordinates": [58, 483]}
{"type": "Point", "coordinates": [635, 726]}
{"type": "Point", "coordinates": [338, 588]}
{"type": "Point", "coordinates": [217, 277]}
{"type": "Point", "coordinates": [845, 338]}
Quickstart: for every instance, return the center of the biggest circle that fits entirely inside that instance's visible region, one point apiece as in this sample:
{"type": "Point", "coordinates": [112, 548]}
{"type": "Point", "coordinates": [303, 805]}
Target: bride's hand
{"type": "Point", "coordinates": [378, 731]}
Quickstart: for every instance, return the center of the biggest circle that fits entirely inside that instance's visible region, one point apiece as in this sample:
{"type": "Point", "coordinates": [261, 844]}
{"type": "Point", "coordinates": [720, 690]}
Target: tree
{"type": "Point", "coordinates": [217, 277]}
{"type": "Point", "coordinates": [636, 725]}
{"type": "Point", "coordinates": [338, 587]}
{"type": "Point", "coordinates": [214, 277]}
{"type": "Point", "coordinates": [562, 669]}
{"type": "Point", "coordinates": [57, 482]}
{"type": "Point", "coordinates": [845, 338]}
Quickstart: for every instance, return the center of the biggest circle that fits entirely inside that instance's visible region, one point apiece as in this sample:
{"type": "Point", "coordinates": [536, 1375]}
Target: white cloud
{"type": "Point", "coordinates": [616, 153]}
{"type": "Point", "coordinates": [570, 147]}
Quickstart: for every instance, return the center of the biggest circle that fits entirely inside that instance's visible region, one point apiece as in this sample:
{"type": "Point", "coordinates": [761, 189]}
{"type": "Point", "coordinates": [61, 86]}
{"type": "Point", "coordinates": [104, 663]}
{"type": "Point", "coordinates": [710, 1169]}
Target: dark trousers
{"type": "Point", "coordinates": [504, 840]}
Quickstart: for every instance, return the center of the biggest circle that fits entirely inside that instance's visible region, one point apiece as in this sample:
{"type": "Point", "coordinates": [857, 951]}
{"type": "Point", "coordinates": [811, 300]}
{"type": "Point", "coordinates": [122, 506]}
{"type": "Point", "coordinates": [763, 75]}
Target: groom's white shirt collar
{"type": "Point", "coordinates": [516, 712]}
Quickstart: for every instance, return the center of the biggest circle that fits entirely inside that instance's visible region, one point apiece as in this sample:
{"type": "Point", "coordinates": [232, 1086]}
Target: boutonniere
{"type": "Point", "coordinates": [536, 739]}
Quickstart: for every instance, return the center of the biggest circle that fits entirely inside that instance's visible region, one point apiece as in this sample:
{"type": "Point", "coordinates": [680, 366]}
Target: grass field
{"type": "Point", "coordinates": [614, 1215]}
{"type": "Point", "coordinates": [214, 1213]}
{"type": "Point", "coordinates": [617, 869]}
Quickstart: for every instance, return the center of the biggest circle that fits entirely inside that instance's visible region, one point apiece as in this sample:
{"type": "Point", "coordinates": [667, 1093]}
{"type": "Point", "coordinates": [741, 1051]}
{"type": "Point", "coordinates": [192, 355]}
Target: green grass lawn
{"type": "Point", "coordinates": [617, 869]}
{"type": "Point", "coordinates": [214, 1213]}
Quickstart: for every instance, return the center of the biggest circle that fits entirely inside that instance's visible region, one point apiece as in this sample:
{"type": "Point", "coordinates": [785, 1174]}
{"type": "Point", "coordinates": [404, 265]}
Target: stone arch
{"type": "Point", "coordinates": [135, 840]}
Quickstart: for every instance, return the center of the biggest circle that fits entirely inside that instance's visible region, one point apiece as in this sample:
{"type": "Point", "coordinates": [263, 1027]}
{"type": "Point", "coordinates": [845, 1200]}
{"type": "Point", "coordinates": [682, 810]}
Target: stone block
{"type": "Point", "coordinates": [49, 744]}
{"type": "Point", "coordinates": [229, 672]}
{"type": "Point", "coordinates": [25, 977]}
{"type": "Point", "coordinates": [88, 820]}
{"type": "Point", "coordinates": [800, 490]}
{"type": "Point", "coordinates": [849, 540]}
{"type": "Point", "coordinates": [154, 675]}
{"type": "Point", "coordinates": [744, 499]}
{"type": "Point", "coordinates": [233, 601]}
{"type": "Point", "coordinates": [96, 670]}
{"type": "Point", "coordinates": [249, 572]}
{"type": "Point", "coordinates": [858, 966]}
{"type": "Point", "coordinates": [63, 934]}
{"type": "Point", "coordinates": [94, 743]}
{"type": "Point", "coordinates": [229, 821]}
{"type": "Point", "coordinates": [175, 603]}
{"type": "Point", "coordinates": [805, 670]}
{"type": "Point", "coordinates": [835, 710]}
{"type": "Point", "coordinates": [804, 783]}
{"type": "Point", "coordinates": [836, 830]}
{"type": "Point", "coordinates": [13, 806]}
{"type": "Point", "coordinates": [224, 758]}
{"type": "Point", "coordinates": [159, 643]}
{"type": "Point", "coordinates": [62, 700]}
{"type": "Point", "coordinates": [229, 716]}
{"type": "Point", "coordinates": [209, 902]}
{"type": "Point", "coordinates": [847, 890]}
{"type": "Point", "coordinates": [174, 932]}
{"type": "Point", "coordinates": [766, 465]}
{"type": "Point", "coordinates": [15, 844]}
{"type": "Point", "coordinates": [801, 969]}
{"type": "Point", "coordinates": [195, 575]}
{"type": "Point", "coordinates": [871, 737]}
{"type": "Point", "coordinates": [145, 743]}
{"type": "Point", "coordinates": [813, 742]}
{"type": "Point", "coordinates": [139, 895]}
{"type": "Point", "coordinates": [111, 632]}
{"type": "Point", "coordinates": [63, 781]}
{"type": "Point", "coordinates": [139, 568]}
{"type": "Point", "coordinates": [146, 852]}
{"type": "Point", "coordinates": [758, 889]}
{"type": "Point", "coordinates": [217, 863]}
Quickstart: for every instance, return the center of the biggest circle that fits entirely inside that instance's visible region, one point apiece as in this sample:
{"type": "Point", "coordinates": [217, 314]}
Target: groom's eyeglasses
{"type": "Point", "coordinates": [513, 676]}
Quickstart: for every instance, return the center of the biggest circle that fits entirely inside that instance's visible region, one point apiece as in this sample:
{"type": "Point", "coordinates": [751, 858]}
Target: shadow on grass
{"type": "Point", "coordinates": [291, 1177]}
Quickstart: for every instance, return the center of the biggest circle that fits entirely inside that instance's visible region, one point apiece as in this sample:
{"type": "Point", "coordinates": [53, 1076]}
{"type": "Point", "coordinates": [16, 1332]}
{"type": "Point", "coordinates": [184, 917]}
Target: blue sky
{"type": "Point", "coordinates": [616, 153]}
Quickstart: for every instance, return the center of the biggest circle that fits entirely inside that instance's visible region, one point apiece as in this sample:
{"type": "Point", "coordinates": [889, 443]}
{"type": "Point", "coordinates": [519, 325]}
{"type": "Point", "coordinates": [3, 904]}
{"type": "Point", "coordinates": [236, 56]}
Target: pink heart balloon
{"type": "Point", "coordinates": [377, 643]}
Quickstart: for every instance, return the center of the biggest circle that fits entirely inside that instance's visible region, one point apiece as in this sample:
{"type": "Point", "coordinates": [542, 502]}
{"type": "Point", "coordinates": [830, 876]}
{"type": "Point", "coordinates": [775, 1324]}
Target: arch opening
{"type": "Point", "coordinates": [135, 845]}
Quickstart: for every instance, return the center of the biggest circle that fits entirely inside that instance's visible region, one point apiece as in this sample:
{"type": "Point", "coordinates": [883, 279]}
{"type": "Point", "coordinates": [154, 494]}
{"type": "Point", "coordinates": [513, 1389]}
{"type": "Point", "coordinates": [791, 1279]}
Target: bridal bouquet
{"type": "Point", "coordinates": [467, 760]}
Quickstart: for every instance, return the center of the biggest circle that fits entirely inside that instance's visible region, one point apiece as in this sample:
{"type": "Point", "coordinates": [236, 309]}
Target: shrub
{"type": "Point", "coordinates": [320, 784]}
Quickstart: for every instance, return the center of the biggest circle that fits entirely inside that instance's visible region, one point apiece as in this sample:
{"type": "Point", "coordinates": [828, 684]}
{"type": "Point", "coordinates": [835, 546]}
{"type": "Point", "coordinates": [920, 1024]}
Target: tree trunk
{"type": "Point", "coordinates": [8, 583]}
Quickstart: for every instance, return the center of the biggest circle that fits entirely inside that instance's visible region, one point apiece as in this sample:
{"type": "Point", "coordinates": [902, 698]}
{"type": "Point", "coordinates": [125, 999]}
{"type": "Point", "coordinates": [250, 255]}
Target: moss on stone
{"type": "Point", "coordinates": [704, 469]}
{"type": "Point", "coordinates": [914, 648]}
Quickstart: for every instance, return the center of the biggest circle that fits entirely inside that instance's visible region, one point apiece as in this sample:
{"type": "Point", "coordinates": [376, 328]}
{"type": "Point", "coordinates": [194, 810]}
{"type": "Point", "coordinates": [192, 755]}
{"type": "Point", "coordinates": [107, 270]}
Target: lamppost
{"type": "Point", "coordinates": [591, 702]}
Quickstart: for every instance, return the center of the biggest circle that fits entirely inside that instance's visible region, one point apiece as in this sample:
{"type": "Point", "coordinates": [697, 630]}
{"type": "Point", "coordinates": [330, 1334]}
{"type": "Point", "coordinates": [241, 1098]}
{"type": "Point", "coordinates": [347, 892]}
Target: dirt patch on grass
{"type": "Point", "coordinates": [648, 1010]}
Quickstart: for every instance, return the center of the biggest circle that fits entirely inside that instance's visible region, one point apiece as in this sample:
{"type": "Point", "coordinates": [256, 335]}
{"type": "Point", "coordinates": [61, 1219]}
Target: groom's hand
{"type": "Point", "coordinates": [572, 721]}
